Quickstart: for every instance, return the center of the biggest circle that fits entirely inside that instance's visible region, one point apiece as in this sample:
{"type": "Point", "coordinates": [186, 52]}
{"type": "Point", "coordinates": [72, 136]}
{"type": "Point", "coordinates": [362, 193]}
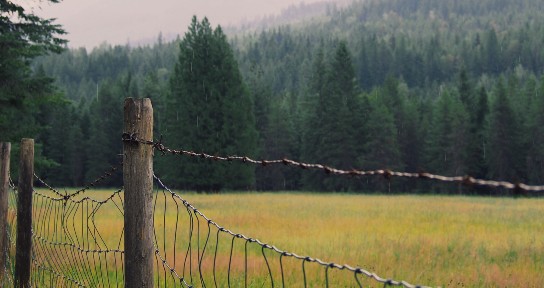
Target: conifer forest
{"type": "Point", "coordinates": [447, 87]}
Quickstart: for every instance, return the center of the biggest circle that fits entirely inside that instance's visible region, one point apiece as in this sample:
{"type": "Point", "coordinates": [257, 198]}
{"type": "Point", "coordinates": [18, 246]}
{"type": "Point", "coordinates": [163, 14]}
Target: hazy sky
{"type": "Point", "coordinates": [90, 22]}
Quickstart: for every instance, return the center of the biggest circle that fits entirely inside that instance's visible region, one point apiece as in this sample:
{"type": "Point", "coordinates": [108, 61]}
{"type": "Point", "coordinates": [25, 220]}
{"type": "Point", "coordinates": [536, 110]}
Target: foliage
{"type": "Point", "coordinates": [423, 76]}
{"type": "Point", "coordinates": [23, 37]}
{"type": "Point", "coordinates": [209, 109]}
{"type": "Point", "coordinates": [26, 94]}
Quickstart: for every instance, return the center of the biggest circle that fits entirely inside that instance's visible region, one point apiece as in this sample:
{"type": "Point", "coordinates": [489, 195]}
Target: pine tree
{"type": "Point", "coordinates": [106, 120]}
{"type": "Point", "coordinates": [476, 106]}
{"type": "Point", "coordinates": [477, 166]}
{"type": "Point", "coordinates": [535, 155]}
{"type": "Point", "coordinates": [277, 144]}
{"type": "Point", "coordinates": [492, 53]}
{"type": "Point", "coordinates": [449, 136]}
{"type": "Point", "coordinates": [464, 88]}
{"type": "Point", "coordinates": [331, 130]}
{"type": "Point", "coordinates": [382, 149]}
{"type": "Point", "coordinates": [209, 110]}
{"type": "Point", "coordinates": [76, 151]}
{"type": "Point", "coordinates": [503, 138]}
{"type": "Point", "coordinates": [311, 119]}
{"type": "Point", "coordinates": [23, 37]}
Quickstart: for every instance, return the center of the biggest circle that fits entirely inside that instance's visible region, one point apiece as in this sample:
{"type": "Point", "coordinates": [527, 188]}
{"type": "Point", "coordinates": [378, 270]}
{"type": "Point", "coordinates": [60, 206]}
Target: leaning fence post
{"type": "Point", "coordinates": [5, 150]}
{"type": "Point", "coordinates": [138, 183]}
{"type": "Point", "coordinates": [24, 214]}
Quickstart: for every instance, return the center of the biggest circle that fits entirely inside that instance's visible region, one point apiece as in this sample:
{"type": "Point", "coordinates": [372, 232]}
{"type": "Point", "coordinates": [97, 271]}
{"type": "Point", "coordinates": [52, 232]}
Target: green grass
{"type": "Point", "coordinates": [431, 240]}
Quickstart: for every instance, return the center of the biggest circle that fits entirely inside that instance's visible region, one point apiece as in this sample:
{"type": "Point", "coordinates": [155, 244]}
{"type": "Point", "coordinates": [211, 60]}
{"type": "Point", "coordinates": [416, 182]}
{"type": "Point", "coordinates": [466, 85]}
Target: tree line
{"type": "Point", "coordinates": [453, 88]}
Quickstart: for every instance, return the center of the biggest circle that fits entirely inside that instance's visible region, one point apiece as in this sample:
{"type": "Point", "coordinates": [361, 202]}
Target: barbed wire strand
{"type": "Point", "coordinates": [263, 246]}
{"type": "Point", "coordinates": [464, 180]}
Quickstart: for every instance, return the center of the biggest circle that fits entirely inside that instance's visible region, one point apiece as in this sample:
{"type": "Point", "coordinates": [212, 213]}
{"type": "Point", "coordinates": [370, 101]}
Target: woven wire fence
{"type": "Point", "coordinates": [74, 239]}
{"type": "Point", "coordinates": [204, 254]}
{"type": "Point", "coordinates": [78, 238]}
{"type": "Point", "coordinates": [78, 242]}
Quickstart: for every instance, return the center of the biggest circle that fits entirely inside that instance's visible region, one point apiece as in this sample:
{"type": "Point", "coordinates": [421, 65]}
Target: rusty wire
{"type": "Point", "coordinates": [386, 173]}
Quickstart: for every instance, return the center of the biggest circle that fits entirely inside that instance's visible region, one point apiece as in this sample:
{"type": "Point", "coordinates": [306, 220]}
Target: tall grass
{"type": "Point", "coordinates": [440, 241]}
{"type": "Point", "coordinates": [431, 240]}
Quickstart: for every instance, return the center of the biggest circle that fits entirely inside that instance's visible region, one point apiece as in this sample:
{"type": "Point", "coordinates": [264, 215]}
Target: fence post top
{"type": "Point", "coordinates": [131, 100]}
{"type": "Point", "coordinates": [27, 140]}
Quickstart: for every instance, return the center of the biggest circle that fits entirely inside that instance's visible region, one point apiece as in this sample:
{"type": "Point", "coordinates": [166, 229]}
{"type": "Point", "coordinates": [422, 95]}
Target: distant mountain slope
{"type": "Point", "coordinates": [290, 15]}
{"type": "Point", "coordinates": [420, 41]}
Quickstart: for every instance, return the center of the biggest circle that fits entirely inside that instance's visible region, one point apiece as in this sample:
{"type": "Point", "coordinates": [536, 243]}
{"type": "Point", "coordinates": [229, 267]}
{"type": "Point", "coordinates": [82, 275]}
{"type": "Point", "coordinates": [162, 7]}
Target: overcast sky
{"type": "Point", "coordinates": [91, 22]}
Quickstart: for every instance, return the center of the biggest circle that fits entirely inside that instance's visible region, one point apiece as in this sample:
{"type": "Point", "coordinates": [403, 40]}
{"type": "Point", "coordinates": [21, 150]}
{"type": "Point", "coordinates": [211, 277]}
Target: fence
{"type": "Point", "coordinates": [144, 234]}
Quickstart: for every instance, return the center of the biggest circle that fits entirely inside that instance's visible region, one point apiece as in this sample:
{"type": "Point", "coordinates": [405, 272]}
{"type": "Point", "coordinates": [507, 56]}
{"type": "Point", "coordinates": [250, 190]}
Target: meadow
{"type": "Point", "coordinates": [448, 241]}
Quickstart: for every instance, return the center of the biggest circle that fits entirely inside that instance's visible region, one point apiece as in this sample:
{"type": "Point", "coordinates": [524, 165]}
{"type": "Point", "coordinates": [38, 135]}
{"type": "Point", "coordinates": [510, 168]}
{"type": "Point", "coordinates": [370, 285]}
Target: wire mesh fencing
{"type": "Point", "coordinates": [78, 242]}
{"type": "Point", "coordinates": [78, 238]}
{"type": "Point", "coordinates": [194, 251]}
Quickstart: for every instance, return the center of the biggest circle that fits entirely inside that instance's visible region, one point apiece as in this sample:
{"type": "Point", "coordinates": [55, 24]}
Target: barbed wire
{"type": "Point", "coordinates": [388, 174]}
{"type": "Point", "coordinates": [193, 211]}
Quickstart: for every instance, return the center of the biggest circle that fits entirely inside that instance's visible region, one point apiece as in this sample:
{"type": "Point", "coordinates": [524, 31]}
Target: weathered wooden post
{"type": "Point", "coordinates": [24, 214]}
{"type": "Point", "coordinates": [5, 150]}
{"type": "Point", "coordinates": [138, 183]}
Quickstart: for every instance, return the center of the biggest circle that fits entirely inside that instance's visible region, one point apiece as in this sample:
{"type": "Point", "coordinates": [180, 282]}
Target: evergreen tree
{"type": "Point", "coordinates": [503, 138]}
{"type": "Point", "coordinates": [76, 150]}
{"type": "Point", "coordinates": [382, 150]}
{"type": "Point", "coordinates": [411, 140]}
{"type": "Point", "coordinates": [311, 119]}
{"type": "Point", "coordinates": [209, 110]}
{"type": "Point", "coordinates": [56, 143]}
{"type": "Point", "coordinates": [449, 136]}
{"type": "Point", "coordinates": [477, 165]}
{"type": "Point", "coordinates": [465, 89]}
{"type": "Point", "coordinates": [277, 144]}
{"type": "Point", "coordinates": [331, 139]}
{"type": "Point", "coordinates": [106, 120]}
{"type": "Point", "coordinates": [535, 155]}
{"type": "Point", "coordinates": [492, 52]}
{"type": "Point", "coordinates": [23, 37]}
{"type": "Point", "coordinates": [476, 106]}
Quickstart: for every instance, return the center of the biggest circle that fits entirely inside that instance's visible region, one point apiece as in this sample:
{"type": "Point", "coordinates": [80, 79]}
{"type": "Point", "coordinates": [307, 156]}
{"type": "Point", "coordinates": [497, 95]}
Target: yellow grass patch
{"type": "Point", "coordinates": [431, 240]}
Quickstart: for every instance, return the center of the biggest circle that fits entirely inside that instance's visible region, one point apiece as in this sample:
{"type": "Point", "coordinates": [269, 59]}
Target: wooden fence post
{"type": "Point", "coordinates": [24, 214]}
{"type": "Point", "coordinates": [5, 150]}
{"type": "Point", "coordinates": [138, 183]}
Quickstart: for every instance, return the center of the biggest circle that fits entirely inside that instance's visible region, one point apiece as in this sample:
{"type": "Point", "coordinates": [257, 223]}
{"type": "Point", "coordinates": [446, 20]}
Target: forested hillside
{"type": "Point", "coordinates": [449, 87]}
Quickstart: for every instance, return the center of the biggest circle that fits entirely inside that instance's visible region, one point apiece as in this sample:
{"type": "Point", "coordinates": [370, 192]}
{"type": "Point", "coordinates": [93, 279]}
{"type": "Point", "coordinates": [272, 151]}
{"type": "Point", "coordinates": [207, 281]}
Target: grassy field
{"type": "Point", "coordinates": [430, 240]}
